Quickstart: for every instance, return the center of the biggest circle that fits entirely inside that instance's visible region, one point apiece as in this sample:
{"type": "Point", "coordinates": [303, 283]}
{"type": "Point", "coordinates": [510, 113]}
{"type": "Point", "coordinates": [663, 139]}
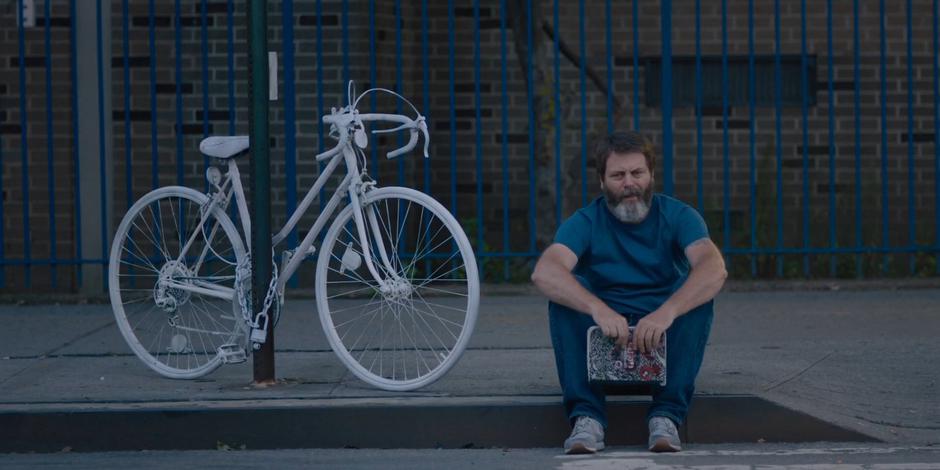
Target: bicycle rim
{"type": "Point", "coordinates": [174, 331]}
{"type": "Point", "coordinates": [407, 336]}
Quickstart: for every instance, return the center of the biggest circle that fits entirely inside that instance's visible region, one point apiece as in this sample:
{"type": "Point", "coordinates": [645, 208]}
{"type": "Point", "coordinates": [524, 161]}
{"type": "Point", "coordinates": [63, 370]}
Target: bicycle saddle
{"type": "Point", "coordinates": [224, 146]}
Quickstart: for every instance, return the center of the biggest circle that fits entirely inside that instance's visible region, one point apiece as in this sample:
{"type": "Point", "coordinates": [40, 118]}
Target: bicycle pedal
{"type": "Point", "coordinates": [232, 354]}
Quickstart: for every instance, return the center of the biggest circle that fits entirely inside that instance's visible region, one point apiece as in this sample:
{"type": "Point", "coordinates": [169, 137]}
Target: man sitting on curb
{"type": "Point", "coordinates": [631, 257]}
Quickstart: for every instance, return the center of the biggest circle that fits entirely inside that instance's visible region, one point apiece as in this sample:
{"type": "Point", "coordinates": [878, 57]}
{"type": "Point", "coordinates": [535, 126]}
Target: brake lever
{"type": "Point", "coordinates": [423, 125]}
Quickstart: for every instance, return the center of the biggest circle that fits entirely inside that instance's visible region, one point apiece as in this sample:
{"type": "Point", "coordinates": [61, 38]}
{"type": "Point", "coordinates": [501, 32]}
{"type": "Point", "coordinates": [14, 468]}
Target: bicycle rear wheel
{"type": "Point", "coordinates": [162, 301]}
{"type": "Point", "coordinates": [411, 334]}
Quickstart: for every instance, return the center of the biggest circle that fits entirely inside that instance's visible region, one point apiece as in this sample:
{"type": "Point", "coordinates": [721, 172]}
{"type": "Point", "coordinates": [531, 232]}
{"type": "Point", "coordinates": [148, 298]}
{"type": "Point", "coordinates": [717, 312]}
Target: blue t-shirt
{"type": "Point", "coordinates": [634, 268]}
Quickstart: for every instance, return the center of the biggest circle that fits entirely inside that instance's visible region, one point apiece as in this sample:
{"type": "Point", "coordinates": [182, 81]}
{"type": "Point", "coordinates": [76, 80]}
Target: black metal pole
{"type": "Point", "coordinates": [263, 359]}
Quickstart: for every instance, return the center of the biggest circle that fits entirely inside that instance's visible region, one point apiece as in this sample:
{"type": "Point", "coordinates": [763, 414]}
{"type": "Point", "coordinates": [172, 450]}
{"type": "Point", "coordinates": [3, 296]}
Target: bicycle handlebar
{"type": "Point", "coordinates": [347, 120]}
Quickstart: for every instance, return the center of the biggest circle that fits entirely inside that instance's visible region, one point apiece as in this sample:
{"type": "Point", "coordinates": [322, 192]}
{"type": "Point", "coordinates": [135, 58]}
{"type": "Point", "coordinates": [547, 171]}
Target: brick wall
{"type": "Point", "coordinates": [207, 109]}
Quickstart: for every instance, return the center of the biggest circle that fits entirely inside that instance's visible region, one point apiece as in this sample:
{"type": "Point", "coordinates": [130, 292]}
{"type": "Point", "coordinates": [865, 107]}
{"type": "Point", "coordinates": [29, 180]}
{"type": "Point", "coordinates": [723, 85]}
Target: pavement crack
{"type": "Point", "coordinates": [78, 338]}
{"type": "Point", "coordinates": [798, 374]}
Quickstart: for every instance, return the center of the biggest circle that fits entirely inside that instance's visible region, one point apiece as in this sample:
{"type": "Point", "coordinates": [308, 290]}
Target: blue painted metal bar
{"type": "Point", "coordinates": [636, 65]}
{"type": "Point", "coordinates": [558, 110]}
{"type": "Point", "coordinates": [699, 170]}
{"type": "Point", "coordinates": [49, 261]}
{"type": "Point", "coordinates": [530, 95]}
{"type": "Point", "coordinates": [426, 98]}
{"type": "Point", "coordinates": [50, 146]}
{"type": "Point", "coordinates": [936, 134]}
{"type": "Point", "coordinates": [832, 145]}
{"type": "Point", "coordinates": [752, 154]}
{"type": "Point", "coordinates": [321, 147]}
{"type": "Point", "coordinates": [610, 66]}
{"type": "Point", "coordinates": [666, 28]}
{"type": "Point", "coordinates": [76, 154]}
{"type": "Point", "coordinates": [125, 53]}
{"type": "Point", "coordinates": [726, 164]}
{"type": "Point", "coordinates": [856, 77]}
{"type": "Point", "coordinates": [204, 43]}
{"type": "Point", "coordinates": [178, 76]}
{"type": "Point", "coordinates": [504, 141]}
{"type": "Point", "coordinates": [398, 84]}
{"type": "Point", "coordinates": [290, 121]}
{"type": "Point", "coordinates": [911, 189]}
{"type": "Point", "coordinates": [373, 149]}
{"type": "Point", "coordinates": [3, 277]}
{"type": "Point", "coordinates": [230, 56]}
{"type": "Point", "coordinates": [425, 85]}
{"type": "Point", "coordinates": [804, 91]}
{"type": "Point", "coordinates": [451, 28]}
{"type": "Point", "coordinates": [779, 140]}
{"type": "Point", "coordinates": [154, 165]}
{"type": "Point", "coordinates": [24, 144]}
{"type": "Point", "coordinates": [581, 71]}
{"type": "Point", "coordinates": [478, 124]}
{"type": "Point", "coordinates": [884, 133]}
{"type": "Point", "coordinates": [101, 143]}
{"type": "Point", "coordinates": [834, 251]}
{"type": "Point", "coordinates": [345, 43]}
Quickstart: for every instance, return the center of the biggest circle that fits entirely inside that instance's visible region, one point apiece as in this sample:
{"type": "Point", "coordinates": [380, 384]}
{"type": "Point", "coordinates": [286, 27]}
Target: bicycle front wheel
{"type": "Point", "coordinates": [411, 331]}
{"type": "Point", "coordinates": [176, 308]}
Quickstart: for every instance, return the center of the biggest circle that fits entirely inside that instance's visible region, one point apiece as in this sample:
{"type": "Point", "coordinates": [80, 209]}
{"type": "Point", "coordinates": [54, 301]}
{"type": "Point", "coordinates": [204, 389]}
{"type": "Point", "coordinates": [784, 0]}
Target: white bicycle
{"type": "Point", "coordinates": [396, 280]}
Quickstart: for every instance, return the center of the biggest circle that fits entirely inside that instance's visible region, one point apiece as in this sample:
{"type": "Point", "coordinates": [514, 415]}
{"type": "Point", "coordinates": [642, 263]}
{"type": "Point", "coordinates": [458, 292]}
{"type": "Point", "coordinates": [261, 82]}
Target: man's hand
{"type": "Point", "coordinates": [650, 330]}
{"type": "Point", "coordinates": [613, 324]}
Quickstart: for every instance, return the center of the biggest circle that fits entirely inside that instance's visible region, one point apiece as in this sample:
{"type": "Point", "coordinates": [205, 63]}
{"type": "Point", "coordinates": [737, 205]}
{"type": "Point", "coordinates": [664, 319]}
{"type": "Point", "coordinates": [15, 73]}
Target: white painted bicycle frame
{"type": "Point", "coordinates": [351, 185]}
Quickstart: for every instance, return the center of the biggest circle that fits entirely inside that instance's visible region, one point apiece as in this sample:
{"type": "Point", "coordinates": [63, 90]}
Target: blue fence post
{"type": "Point", "coordinates": [803, 113]}
{"type": "Point", "coordinates": [911, 190]}
{"type": "Point", "coordinates": [884, 138]}
{"type": "Point", "coordinates": [125, 56]}
{"type": "Point", "coordinates": [504, 141]}
{"type": "Point", "coordinates": [859, 268]}
{"type": "Point", "coordinates": [559, 127]}
{"type": "Point", "coordinates": [936, 138]}
{"type": "Point", "coordinates": [726, 164]}
{"type": "Point", "coordinates": [610, 64]}
{"type": "Point", "coordinates": [666, 17]}
{"type": "Point", "coordinates": [530, 93]}
{"type": "Point", "coordinates": [581, 75]}
{"type": "Point", "coordinates": [832, 143]}
{"type": "Point", "coordinates": [636, 65]}
{"type": "Point", "coordinates": [478, 127]}
{"type": "Point", "coordinates": [699, 170]}
{"type": "Point", "coordinates": [76, 153]}
{"type": "Point", "coordinates": [452, 33]}
{"type": "Point", "coordinates": [102, 148]}
{"type": "Point", "coordinates": [178, 77]}
{"type": "Point", "coordinates": [50, 148]}
{"type": "Point", "coordinates": [778, 90]}
{"type": "Point", "coordinates": [752, 154]}
{"type": "Point", "coordinates": [154, 153]}
{"type": "Point", "coordinates": [24, 149]}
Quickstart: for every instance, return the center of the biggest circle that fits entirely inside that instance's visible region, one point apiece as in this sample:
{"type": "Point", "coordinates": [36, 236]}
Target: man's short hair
{"type": "Point", "coordinates": [623, 142]}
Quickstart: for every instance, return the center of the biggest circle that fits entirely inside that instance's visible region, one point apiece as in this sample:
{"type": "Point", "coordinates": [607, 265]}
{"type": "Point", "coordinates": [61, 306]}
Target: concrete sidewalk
{"type": "Point", "coordinates": [865, 361]}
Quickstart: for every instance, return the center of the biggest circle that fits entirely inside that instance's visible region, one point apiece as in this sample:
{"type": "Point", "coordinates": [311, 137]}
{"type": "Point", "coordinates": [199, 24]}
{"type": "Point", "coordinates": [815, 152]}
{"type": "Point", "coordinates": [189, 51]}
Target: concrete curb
{"type": "Point", "coordinates": [427, 422]}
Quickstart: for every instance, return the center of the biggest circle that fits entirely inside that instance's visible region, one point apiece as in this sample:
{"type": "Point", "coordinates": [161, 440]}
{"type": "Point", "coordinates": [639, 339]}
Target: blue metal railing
{"type": "Point", "coordinates": [778, 205]}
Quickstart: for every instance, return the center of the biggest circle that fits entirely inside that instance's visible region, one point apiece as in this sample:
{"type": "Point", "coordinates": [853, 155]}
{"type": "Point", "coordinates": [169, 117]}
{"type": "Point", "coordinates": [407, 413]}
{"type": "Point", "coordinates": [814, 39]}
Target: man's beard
{"type": "Point", "coordinates": [630, 212]}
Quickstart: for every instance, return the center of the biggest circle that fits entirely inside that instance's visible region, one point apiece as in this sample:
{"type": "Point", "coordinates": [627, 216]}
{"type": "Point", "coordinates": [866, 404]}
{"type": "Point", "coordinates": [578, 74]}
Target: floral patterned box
{"type": "Point", "coordinates": [608, 363]}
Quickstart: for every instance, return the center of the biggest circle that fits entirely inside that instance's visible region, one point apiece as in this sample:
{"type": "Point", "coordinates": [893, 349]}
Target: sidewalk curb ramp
{"type": "Point", "coordinates": [410, 422]}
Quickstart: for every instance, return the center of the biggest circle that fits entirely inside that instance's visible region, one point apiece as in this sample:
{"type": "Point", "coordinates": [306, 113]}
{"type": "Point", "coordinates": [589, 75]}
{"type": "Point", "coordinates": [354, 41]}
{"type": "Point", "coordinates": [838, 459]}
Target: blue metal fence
{"type": "Point", "coordinates": [489, 174]}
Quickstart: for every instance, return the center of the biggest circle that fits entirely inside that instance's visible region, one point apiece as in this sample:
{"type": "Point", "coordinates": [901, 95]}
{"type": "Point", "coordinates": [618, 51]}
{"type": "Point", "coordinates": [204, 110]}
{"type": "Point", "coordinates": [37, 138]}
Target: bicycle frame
{"type": "Point", "coordinates": [351, 185]}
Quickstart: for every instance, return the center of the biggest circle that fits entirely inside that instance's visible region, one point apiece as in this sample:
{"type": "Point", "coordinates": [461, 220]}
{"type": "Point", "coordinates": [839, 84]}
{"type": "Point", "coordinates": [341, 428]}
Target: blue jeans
{"type": "Point", "coordinates": [685, 341]}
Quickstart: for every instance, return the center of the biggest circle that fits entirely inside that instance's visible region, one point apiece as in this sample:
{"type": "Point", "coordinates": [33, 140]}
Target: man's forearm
{"type": "Point", "coordinates": [703, 284]}
{"type": "Point", "coordinates": [561, 287]}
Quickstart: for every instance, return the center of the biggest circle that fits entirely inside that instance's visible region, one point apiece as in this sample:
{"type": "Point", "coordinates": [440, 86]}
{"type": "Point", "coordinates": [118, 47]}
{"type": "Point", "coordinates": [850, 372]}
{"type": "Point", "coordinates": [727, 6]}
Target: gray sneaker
{"type": "Point", "coordinates": [663, 435]}
{"type": "Point", "coordinates": [587, 437]}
